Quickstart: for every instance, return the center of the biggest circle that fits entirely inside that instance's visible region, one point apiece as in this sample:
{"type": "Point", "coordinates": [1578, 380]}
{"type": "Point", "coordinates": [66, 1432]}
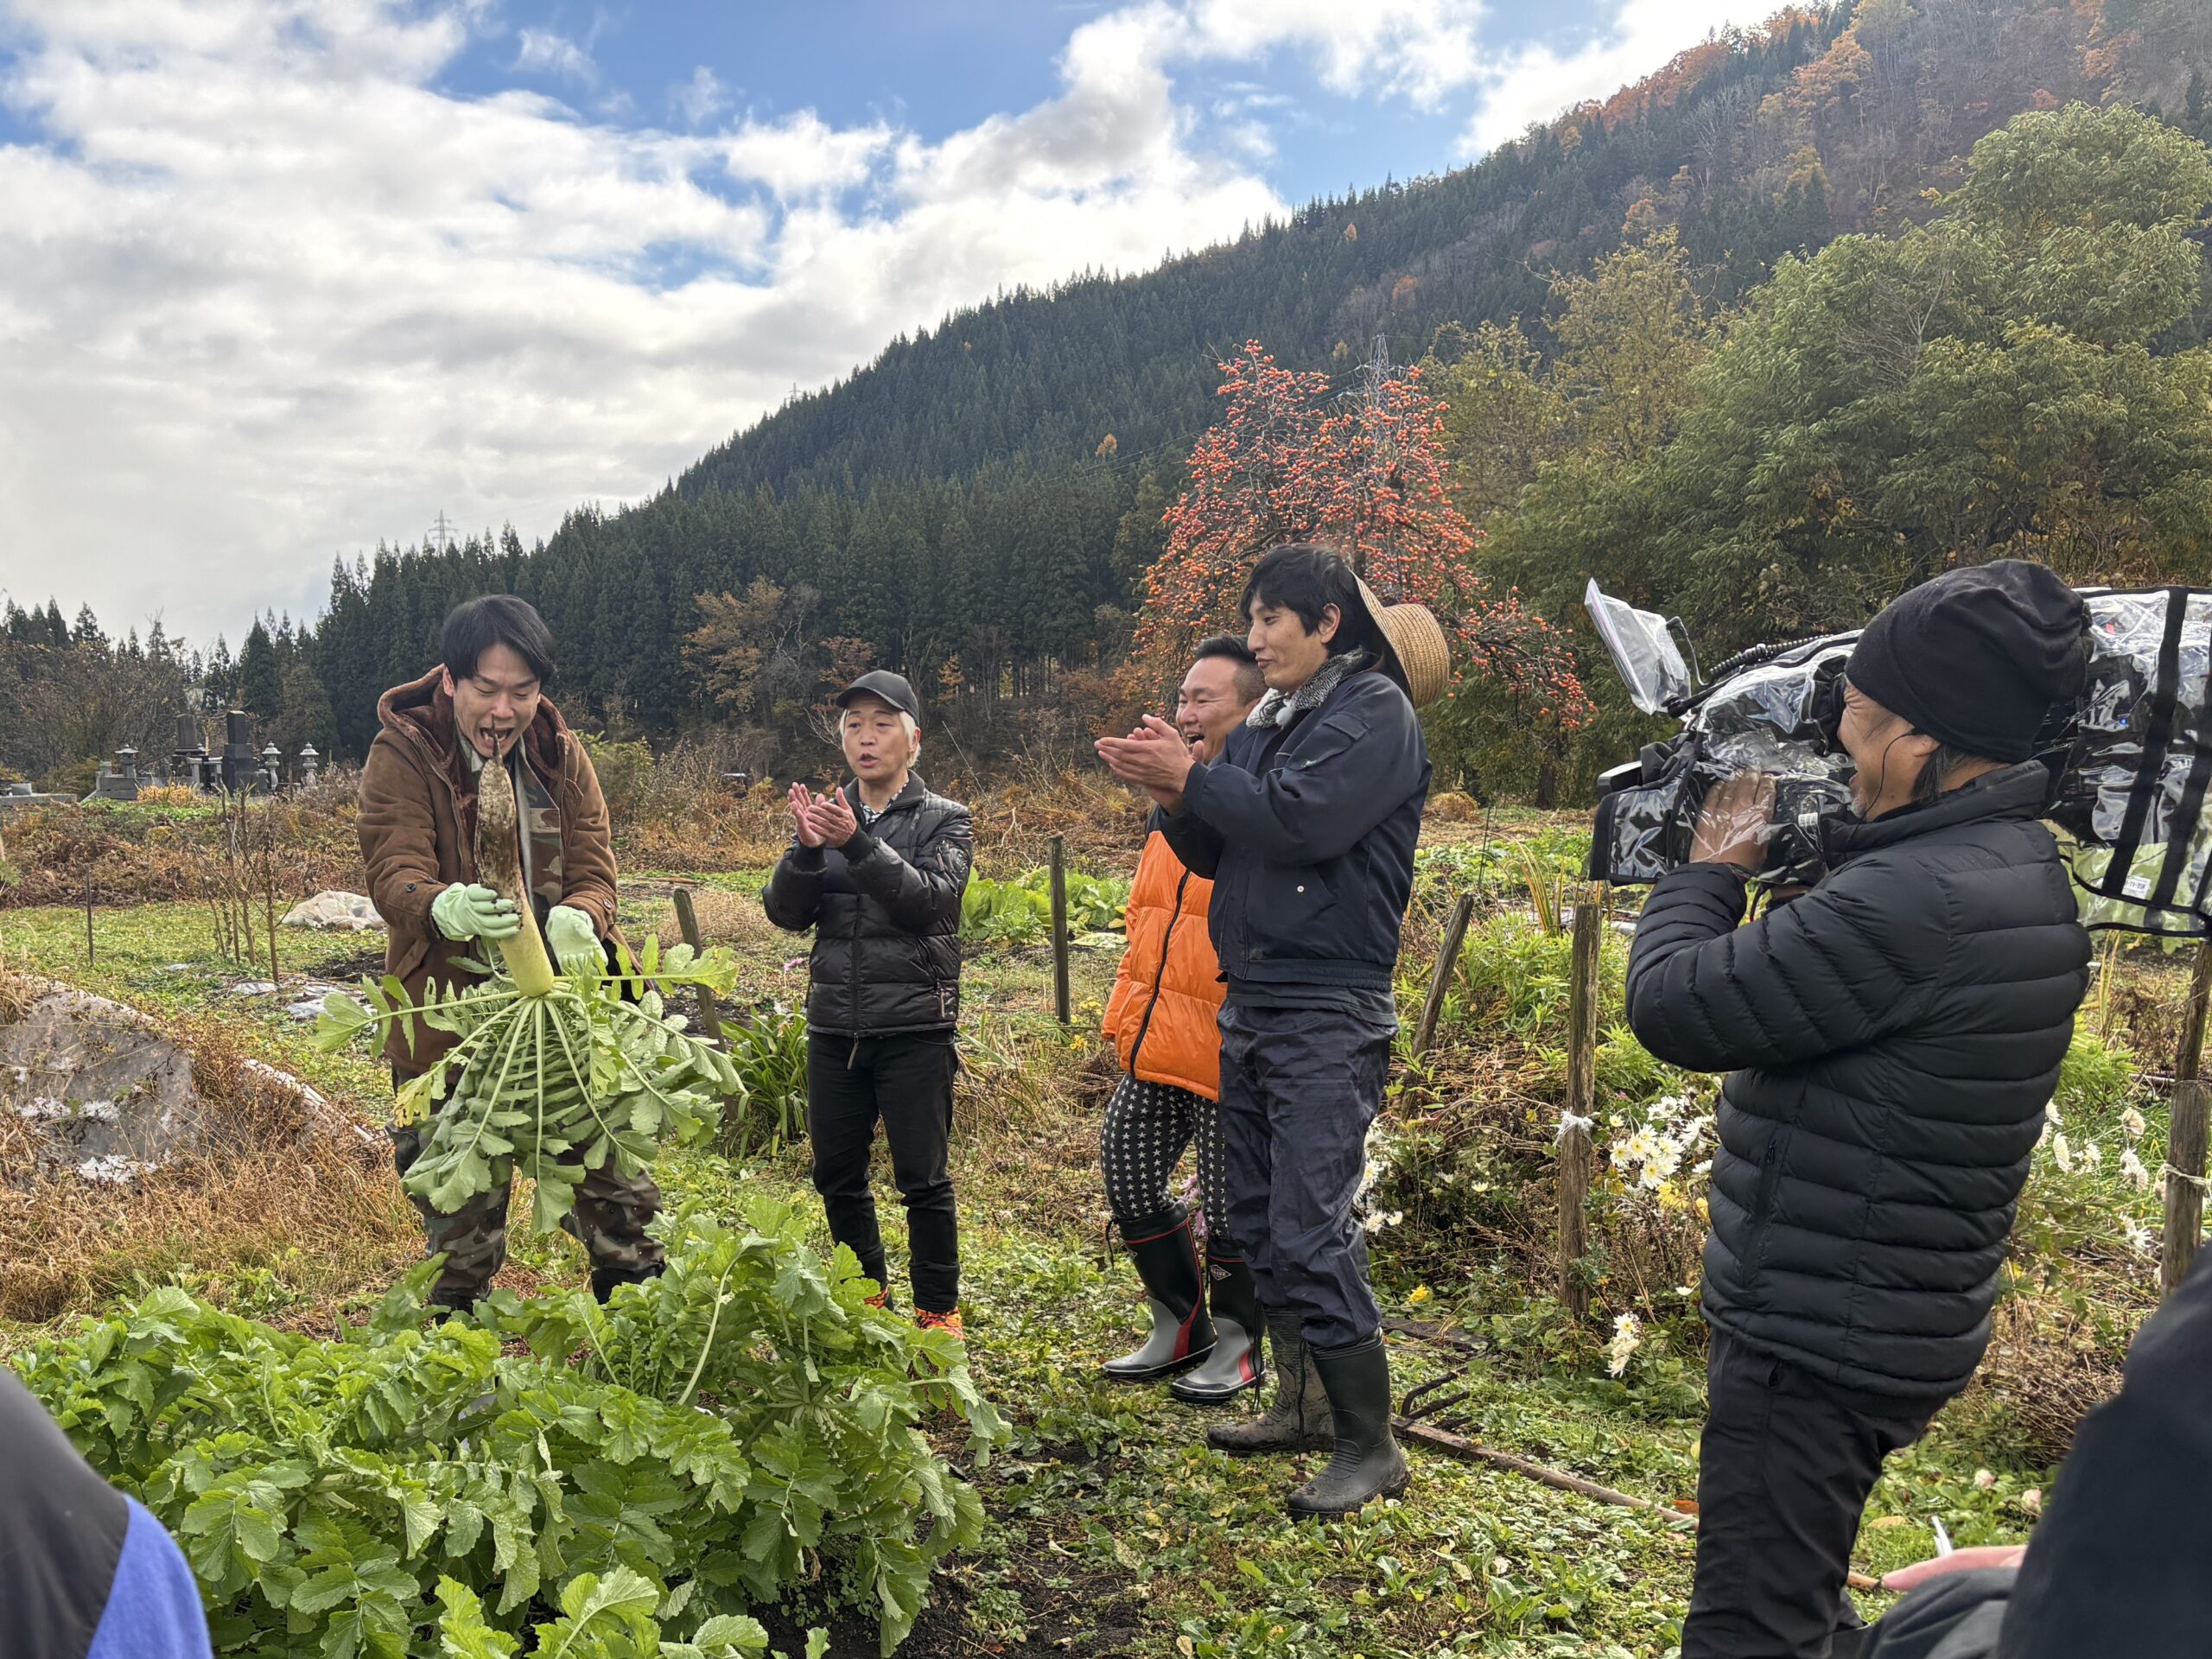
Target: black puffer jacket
{"type": "Point", "coordinates": [1894, 1037]}
{"type": "Point", "coordinates": [887, 914]}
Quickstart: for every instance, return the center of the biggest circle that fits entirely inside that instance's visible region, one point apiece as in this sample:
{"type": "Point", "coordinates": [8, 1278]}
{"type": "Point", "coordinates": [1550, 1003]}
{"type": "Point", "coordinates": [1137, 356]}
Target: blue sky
{"type": "Point", "coordinates": [281, 279]}
{"type": "Point", "coordinates": [940, 66]}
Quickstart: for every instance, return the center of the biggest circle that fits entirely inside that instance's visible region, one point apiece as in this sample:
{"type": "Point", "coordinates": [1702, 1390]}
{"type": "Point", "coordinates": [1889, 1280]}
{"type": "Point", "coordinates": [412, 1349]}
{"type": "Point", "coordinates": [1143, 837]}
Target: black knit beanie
{"type": "Point", "coordinates": [1976, 657]}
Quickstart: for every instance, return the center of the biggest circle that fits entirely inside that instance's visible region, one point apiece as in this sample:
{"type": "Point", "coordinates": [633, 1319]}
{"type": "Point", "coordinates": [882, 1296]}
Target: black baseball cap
{"type": "Point", "coordinates": [882, 683]}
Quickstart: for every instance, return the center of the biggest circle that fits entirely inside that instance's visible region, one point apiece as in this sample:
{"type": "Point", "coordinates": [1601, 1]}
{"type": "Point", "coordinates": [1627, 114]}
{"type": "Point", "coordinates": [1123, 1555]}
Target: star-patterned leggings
{"type": "Point", "coordinates": [1147, 1125]}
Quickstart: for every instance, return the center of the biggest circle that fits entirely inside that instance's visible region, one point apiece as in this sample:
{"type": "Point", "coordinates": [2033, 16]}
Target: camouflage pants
{"type": "Point", "coordinates": [608, 1220]}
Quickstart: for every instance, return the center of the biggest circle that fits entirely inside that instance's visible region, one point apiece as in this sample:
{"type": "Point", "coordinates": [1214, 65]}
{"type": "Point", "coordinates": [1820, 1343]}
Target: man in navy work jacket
{"type": "Point", "coordinates": [1892, 1037]}
{"type": "Point", "coordinates": [1307, 824]}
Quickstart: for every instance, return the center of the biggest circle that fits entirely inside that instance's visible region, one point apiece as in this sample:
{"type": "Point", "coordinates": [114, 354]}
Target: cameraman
{"type": "Point", "coordinates": [1892, 1039]}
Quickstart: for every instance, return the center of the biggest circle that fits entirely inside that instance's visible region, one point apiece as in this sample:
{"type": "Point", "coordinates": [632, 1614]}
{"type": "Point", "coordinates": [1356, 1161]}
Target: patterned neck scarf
{"type": "Point", "coordinates": [1280, 707]}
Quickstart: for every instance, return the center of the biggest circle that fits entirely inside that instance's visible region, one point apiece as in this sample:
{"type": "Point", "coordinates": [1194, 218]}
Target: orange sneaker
{"type": "Point", "coordinates": [881, 1299]}
{"type": "Point", "coordinates": [931, 1320]}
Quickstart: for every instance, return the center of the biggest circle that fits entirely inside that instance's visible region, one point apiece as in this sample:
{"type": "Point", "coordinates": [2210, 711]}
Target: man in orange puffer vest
{"type": "Point", "coordinates": [1161, 1019]}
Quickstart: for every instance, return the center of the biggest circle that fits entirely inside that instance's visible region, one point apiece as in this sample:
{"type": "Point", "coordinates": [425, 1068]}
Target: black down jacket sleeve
{"type": "Point", "coordinates": [1849, 962]}
{"type": "Point", "coordinates": [1191, 839]}
{"type": "Point", "coordinates": [923, 897]}
{"type": "Point", "coordinates": [792, 898]}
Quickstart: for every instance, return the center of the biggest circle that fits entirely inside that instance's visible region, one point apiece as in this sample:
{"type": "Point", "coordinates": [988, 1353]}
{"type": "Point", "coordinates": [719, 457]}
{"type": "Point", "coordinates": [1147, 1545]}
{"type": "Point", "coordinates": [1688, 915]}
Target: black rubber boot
{"type": "Point", "coordinates": [1368, 1464]}
{"type": "Point", "coordinates": [1299, 1420]}
{"type": "Point", "coordinates": [1234, 1364]}
{"type": "Point", "coordinates": [1182, 1334]}
{"type": "Point", "coordinates": [603, 1280]}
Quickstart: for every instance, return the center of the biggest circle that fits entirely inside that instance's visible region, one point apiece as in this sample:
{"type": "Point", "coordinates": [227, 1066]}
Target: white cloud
{"type": "Point", "coordinates": [267, 295]}
{"type": "Point", "coordinates": [1416, 49]}
{"type": "Point", "coordinates": [544, 52]}
{"type": "Point", "coordinates": [699, 99]}
{"type": "Point", "coordinates": [1537, 83]}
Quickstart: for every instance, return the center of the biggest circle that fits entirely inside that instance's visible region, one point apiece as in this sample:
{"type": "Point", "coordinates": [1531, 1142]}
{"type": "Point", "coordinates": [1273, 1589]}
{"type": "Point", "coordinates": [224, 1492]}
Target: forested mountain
{"type": "Point", "coordinates": [978, 506]}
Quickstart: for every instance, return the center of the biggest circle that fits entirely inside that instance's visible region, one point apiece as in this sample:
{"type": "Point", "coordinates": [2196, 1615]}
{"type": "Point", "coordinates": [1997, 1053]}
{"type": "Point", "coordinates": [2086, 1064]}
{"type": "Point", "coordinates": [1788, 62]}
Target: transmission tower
{"type": "Point", "coordinates": [441, 534]}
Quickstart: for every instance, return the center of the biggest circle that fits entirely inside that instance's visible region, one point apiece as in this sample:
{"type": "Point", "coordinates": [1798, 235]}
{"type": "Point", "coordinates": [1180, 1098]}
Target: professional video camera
{"type": "Point", "coordinates": [2130, 762]}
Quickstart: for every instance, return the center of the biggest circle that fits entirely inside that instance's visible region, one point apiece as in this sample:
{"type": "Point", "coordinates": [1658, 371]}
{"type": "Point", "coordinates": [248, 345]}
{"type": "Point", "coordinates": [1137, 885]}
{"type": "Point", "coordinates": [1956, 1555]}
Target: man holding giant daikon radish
{"type": "Point", "coordinates": [471, 741]}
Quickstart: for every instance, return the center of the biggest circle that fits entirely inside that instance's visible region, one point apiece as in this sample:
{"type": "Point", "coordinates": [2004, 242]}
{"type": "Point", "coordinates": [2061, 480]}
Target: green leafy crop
{"type": "Point", "coordinates": [628, 1488]}
{"type": "Point", "coordinates": [549, 1086]}
{"type": "Point", "coordinates": [1020, 912]}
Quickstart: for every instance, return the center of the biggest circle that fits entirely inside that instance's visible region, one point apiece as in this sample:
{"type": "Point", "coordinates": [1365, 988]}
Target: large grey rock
{"type": "Point", "coordinates": [332, 908]}
{"type": "Point", "coordinates": [105, 1094]}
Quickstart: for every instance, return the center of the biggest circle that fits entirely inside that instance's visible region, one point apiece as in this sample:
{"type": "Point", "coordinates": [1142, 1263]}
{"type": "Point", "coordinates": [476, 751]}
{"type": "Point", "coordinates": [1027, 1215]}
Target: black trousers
{"type": "Point", "coordinates": [1298, 1087]}
{"type": "Point", "coordinates": [908, 1082]}
{"type": "Point", "coordinates": [1787, 1464]}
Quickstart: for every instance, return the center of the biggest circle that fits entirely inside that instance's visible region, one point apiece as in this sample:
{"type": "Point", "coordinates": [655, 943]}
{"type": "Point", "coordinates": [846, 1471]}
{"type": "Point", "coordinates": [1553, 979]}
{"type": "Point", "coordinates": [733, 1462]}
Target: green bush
{"type": "Point", "coordinates": [2095, 1079]}
{"type": "Point", "coordinates": [1020, 912]}
{"type": "Point", "coordinates": [625, 772]}
{"type": "Point", "coordinates": [766, 1107]}
{"type": "Point", "coordinates": [740, 1427]}
{"type": "Point", "coordinates": [1513, 976]}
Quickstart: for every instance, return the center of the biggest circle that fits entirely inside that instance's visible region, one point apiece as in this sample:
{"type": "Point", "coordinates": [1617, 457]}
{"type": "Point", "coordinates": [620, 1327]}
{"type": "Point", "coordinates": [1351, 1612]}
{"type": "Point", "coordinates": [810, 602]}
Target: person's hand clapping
{"type": "Point", "coordinates": [1737, 819]}
{"type": "Point", "coordinates": [802, 800]}
{"type": "Point", "coordinates": [1155, 757]}
{"type": "Point", "coordinates": [833, 819]}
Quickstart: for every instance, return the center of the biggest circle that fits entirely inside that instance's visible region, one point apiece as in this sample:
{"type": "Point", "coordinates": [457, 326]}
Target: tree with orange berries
{"type": "Point", "coordinates": [1291, 461]}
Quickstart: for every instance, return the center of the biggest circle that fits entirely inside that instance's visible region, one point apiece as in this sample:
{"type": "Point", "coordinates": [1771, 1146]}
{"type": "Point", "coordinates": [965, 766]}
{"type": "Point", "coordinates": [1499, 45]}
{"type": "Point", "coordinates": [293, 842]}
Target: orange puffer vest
{"type": "Point", "coordinates": [1161, 1016]}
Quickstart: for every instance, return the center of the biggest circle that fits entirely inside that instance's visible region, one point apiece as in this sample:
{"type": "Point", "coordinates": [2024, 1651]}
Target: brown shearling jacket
{"type": "Point", "coordinates": [418, 836]}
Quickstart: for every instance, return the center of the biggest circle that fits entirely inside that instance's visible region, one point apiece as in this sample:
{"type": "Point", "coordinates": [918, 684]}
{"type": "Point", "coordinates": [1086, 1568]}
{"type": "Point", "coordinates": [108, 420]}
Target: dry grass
{"type": "Point", "coordinates": [2047, 1368]}
{"type": "Point", "coordinates": [139, 856]}
{"type": "Point", "coordinates": [731, 918]}
{"type": "Point", "coordinates": [322, 1213]}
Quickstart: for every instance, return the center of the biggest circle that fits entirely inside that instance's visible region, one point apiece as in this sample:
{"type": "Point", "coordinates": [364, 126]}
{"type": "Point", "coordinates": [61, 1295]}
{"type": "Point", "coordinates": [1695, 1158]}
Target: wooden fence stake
{"type": "Point", "coordinates": [1447, 958]}
{"type": "Point", "coordinates": [88, 921]}
{"type": "Point", "coordinates": [2185, 1132]}
{"type": "Point", "coordinates": [687, 923]}
{"type": "Point", "coordinates": [1574, 1154]}
{"type": "Point", "coordinates": [1061, 1004]}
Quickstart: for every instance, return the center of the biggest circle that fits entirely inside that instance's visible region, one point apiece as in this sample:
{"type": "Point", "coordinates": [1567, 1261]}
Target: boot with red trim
{"type": "Point", "coordinates": [930, 1319]}
{"type": "Point", "coordinates": [1182, 1335]}
{"type": "Point", "coordinates": [1233, 1302]}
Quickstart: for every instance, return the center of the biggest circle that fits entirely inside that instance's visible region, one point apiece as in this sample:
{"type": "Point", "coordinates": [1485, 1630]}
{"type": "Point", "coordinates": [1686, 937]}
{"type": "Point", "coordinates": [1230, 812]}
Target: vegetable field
{"type": "Point", "coordinates": [741, 1452]}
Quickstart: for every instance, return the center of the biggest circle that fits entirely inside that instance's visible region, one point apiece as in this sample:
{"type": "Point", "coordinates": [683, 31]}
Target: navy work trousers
{"type": "Point", "coordinates": [1299, 1087]}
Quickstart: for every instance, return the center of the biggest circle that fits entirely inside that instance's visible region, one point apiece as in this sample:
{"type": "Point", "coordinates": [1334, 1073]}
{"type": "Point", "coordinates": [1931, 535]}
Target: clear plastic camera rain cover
{"type": "Point", "coordinates": [2131, 763]}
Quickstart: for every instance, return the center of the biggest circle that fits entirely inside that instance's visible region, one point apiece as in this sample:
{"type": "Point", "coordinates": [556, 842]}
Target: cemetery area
{"type": "Point", "coordinates": [1099, 1524]}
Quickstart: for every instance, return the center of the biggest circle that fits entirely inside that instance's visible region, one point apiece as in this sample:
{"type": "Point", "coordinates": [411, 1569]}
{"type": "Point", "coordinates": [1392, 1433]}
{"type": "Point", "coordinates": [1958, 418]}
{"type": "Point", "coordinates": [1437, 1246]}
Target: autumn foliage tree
{"type": "Point", "coordinates": [1290, 460]}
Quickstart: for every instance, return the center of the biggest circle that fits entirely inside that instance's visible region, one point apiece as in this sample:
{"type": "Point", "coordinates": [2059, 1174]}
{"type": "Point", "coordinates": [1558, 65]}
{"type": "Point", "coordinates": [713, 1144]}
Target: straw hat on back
{"type": "Point", "coordinates": [1413, 650]}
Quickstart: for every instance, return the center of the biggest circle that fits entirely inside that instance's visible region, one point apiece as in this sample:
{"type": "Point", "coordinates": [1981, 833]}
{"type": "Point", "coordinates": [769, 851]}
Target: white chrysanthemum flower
{"type": "Point", "coordinates": [2062, 1154]}
{"type": "Point", "coordinates": [1628, 1337]}
{"type": "Point", "coordinates": [1983, 1480]}
{"type": "Point", "coordinates": [2132, 1121]}
{"type": "Point", "coordinates": [2137, 1236]}
{"type": "Point", "coordinates": [2132, 1171]}
{"type": "Point", "coordinates": [2093, 1155]}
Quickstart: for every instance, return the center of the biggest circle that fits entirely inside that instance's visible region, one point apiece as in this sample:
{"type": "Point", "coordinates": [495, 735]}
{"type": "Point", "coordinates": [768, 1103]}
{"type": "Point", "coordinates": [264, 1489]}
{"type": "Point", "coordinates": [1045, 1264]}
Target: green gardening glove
{"type": "Point", "coordinates": [573, 940]}
{"type": "Point", "coordinates": [463, 911]}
